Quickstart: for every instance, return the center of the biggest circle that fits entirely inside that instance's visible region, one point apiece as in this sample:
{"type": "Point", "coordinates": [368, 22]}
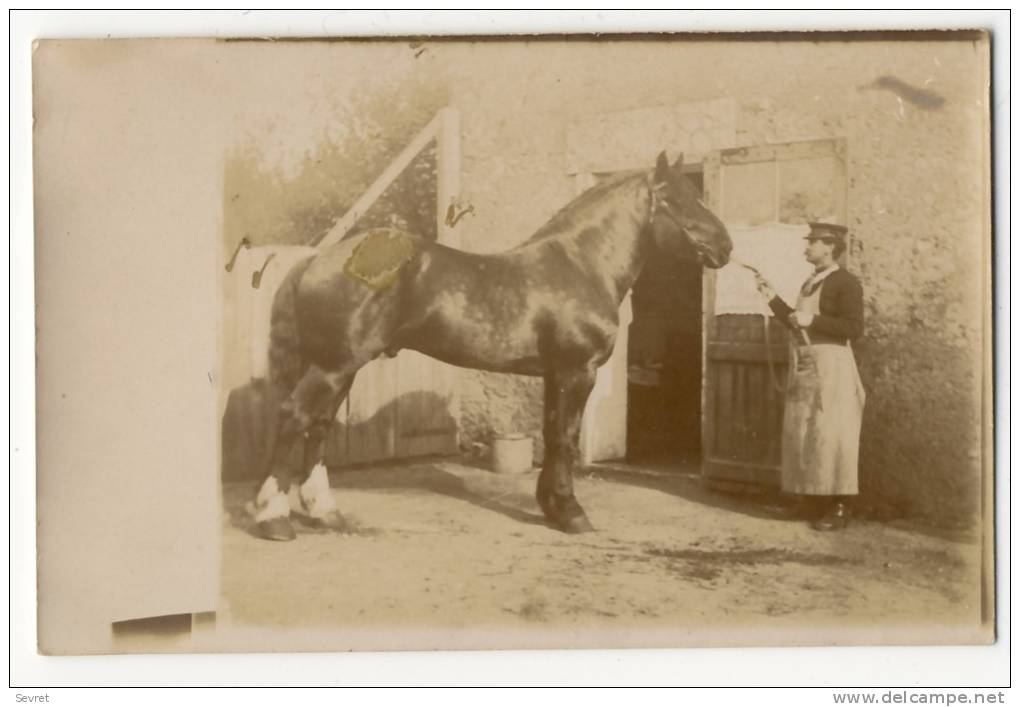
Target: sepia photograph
{"type": "Point", "coordinates": [553, 341]}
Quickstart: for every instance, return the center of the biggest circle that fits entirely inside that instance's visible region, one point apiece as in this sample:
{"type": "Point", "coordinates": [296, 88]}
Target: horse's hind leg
{"type": "Point", "coordinates": [305, 414]}
{"type": "Point", "coordinates": [313, 501]}
{"type": "Point", "coordinates": [566, 392]}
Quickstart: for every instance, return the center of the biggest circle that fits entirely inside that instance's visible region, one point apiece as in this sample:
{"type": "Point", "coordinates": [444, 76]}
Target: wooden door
{"type": "Point", "coordinates": [398, 407]}
{"type": "Point", "coordinates": [742, 410]}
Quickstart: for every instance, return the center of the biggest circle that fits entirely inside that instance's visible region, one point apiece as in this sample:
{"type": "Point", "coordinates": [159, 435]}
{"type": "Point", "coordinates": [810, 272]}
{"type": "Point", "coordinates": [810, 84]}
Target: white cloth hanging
{"type": "Point", "coordinates": [777, 252]}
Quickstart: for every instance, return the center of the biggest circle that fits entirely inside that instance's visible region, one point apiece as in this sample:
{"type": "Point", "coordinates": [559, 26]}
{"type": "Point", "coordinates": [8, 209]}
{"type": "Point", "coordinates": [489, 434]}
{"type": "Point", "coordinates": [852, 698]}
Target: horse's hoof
{"type": "Point", "coordinates": [564, 513]}
{"type": "Point", "coordinates": [576, 525]}
{"type": "Point", "coordinates": [279, 529]}
{"type": "Point", "coordinates": [332, 521]}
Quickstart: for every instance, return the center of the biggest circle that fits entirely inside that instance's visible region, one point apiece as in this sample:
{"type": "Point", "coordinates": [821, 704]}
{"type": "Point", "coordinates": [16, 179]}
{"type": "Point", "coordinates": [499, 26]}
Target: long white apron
{"type": "Point", "coordinates": [822, 417]}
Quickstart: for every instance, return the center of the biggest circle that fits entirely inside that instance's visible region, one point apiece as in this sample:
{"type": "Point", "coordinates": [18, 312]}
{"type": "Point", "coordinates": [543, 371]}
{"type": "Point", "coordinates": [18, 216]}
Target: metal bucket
{"type": "Point", "coordinates": [512, 454]}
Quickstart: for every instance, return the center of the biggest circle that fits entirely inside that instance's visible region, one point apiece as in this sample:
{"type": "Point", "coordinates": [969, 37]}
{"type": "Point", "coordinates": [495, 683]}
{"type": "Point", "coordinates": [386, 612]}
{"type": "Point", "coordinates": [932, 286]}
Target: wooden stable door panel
{"type": "Point", "coordinates": [397, 407]}
{"type": "Point", "coordinates": [756, 182]}
{"type": "Point", "coordinates": [425, 421]}
{"type": "Point", "coordinates": [791, 183]}
{"type": "Point", "coordinates": [744, 370]}
{"type": "Point", "coordinates": [744, 404]}
{"type": "Point", "coordinates": [370, 424]}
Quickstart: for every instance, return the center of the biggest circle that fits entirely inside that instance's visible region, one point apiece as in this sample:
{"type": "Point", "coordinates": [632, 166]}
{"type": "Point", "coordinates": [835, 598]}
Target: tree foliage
{"type": "Point", "coordinates": [268, 206]}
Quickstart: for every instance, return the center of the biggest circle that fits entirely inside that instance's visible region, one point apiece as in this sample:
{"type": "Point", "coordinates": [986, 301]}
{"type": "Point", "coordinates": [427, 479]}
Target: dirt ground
{"type": "Point", "coordinates": [444, 554]}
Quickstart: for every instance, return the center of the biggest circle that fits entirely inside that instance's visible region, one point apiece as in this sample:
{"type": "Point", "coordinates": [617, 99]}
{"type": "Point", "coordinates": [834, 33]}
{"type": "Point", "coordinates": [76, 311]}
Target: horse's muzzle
{"type": "Point", "coordinates": [716, 259]}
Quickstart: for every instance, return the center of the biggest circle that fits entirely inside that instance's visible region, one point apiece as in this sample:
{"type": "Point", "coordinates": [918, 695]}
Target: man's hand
{"type": "Point", "coordinates": [764, 287]}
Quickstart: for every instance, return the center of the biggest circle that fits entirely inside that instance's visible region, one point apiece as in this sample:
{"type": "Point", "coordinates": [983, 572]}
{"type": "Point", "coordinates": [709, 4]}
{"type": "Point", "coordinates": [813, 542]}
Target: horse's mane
{"type": "Point", "coordinates": [566, 217]}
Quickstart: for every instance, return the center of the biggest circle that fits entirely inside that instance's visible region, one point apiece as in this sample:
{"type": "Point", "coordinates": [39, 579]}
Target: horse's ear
{"type": "Point", "coordinates": [661, 168]}
{"type": "Point", "coordinates": [678, 165]}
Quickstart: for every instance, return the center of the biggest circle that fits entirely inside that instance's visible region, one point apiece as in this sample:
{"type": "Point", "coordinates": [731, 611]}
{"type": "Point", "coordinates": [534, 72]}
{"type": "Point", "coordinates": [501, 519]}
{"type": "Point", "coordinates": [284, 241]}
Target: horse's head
{"type": "Point", "coordinates": [681, 224]}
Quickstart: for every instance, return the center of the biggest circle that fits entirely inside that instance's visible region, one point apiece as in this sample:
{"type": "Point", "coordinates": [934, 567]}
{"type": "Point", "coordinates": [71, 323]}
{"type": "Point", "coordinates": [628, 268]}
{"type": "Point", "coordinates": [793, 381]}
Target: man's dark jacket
{"type": "Point", "coordinates": [841, 307]}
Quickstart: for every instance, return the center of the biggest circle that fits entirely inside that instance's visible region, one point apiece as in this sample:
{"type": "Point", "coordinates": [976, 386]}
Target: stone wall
{"type": "Point", "coordinates": [911, 114]}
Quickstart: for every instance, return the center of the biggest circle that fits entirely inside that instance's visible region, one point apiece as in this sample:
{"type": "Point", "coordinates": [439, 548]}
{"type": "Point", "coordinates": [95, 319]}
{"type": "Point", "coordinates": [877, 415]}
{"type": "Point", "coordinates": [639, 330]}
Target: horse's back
{"type": "Point", "coordinates": [503, 311]}
{"type": "Point", "coordinates": [386, 289]}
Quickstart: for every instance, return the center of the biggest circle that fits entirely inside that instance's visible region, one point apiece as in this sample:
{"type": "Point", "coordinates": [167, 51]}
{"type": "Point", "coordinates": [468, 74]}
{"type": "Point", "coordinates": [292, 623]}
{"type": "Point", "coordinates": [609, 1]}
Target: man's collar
{"type": "Point", "coordinates": [824, 272]}
{"type": "Point", "coordinates": [821, 275]}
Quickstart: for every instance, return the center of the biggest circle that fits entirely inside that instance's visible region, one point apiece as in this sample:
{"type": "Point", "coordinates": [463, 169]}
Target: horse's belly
{"type": "Point", "coordinates": [486, 351]}
{"type": "Point", "coordinates": [503, 321]}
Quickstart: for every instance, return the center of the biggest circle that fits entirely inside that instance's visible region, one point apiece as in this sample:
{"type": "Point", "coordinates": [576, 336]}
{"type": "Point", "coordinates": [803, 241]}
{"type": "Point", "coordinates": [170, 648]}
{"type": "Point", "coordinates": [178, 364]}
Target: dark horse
{"type": "Point", "coordinates": [548, 308]}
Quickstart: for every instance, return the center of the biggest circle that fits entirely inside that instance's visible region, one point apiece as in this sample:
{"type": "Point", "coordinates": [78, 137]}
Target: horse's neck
{"type": "Point", "coordinates": [609, 237]}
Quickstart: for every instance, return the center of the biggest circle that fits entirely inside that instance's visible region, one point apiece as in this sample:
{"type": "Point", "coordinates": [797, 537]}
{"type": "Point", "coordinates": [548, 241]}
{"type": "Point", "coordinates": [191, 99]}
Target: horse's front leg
{"type": "Point", "coordinates": [566, 392]}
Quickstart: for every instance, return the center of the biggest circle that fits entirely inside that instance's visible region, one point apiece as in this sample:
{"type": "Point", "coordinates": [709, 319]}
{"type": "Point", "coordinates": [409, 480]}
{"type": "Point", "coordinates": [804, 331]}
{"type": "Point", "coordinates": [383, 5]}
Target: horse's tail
{"type": "Point", "coordinates": [286, 362]}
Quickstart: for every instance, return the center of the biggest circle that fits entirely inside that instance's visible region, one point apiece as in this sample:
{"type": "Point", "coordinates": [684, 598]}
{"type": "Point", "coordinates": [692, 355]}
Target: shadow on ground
{"type": "Point", "coordinates": [685, 483]}
{"type": "Point", "coordinates": [513, 497]}
{"type": "Point", "coordinates": [430, 478]}
{"type": "Point", "coordinates": [484, 490]}
{"type": "Point", "coordinates": [480, 489]}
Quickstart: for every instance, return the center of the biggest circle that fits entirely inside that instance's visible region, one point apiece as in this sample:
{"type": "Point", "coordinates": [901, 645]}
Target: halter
{"type": "Point", "coordinates": [656, 192]}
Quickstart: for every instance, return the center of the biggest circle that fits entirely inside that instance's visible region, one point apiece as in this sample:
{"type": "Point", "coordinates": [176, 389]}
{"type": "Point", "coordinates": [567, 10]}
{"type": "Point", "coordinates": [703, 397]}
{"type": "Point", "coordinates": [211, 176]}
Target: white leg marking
{"type": "Point", "coordinates": [316, 497]}
{"type": "Point", "coordinates": [271, 502]}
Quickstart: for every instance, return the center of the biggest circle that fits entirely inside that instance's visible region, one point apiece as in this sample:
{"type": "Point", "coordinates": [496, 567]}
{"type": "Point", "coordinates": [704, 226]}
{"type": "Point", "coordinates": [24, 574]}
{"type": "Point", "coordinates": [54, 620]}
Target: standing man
{"type": "Point", "coordinates": [824, 398]}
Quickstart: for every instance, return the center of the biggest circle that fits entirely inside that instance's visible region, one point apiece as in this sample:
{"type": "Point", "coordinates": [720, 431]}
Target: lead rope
{"type": "Point", "coordinates": [773, 378]}
{"type": "Point", "coordinates": [794, 351]}
{"type": "Point", "coordinates": [779, 387]}
{"type": "Point", "coordinates": [794, 360]}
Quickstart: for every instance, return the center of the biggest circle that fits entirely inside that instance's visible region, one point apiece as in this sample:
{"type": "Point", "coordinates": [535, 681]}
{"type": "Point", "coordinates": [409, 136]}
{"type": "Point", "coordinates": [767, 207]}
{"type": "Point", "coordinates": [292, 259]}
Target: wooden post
{"type": "Point", "coordinates": [713, 197]}
{"type": "Point", "coordinates": [447, 174]}
{"type": "Point", "coordinates": [447, 195]}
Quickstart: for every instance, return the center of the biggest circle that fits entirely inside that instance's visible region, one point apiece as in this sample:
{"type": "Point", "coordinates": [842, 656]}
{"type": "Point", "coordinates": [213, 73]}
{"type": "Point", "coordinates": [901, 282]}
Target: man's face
{"type": "Point", "coordinates": [816, 251]}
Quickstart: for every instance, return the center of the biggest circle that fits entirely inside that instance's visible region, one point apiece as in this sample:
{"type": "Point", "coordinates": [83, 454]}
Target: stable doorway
{"type": "Point", "coordinates": [664, 361]}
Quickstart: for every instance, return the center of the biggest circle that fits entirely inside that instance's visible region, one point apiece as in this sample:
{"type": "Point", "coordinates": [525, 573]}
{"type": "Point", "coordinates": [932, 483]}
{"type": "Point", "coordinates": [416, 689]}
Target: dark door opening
{"type": "Point", "coordinates": [664, 362]}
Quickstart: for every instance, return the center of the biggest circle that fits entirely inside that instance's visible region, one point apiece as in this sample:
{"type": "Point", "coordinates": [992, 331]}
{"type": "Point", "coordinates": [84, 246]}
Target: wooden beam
{"type": "Point", "coordinates": [801, 150]}
{"type": "Point", "coordinates": [392, 171]}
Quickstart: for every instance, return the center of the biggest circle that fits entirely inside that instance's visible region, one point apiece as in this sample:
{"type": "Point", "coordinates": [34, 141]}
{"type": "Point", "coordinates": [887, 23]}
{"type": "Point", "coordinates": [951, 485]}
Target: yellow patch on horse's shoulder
{"type": "Point", "coordinates": [377, 259]}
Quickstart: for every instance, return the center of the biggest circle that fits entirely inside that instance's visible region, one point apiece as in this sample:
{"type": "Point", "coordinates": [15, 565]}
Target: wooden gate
{"type": "Point", "coordinates": [742, 411]}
